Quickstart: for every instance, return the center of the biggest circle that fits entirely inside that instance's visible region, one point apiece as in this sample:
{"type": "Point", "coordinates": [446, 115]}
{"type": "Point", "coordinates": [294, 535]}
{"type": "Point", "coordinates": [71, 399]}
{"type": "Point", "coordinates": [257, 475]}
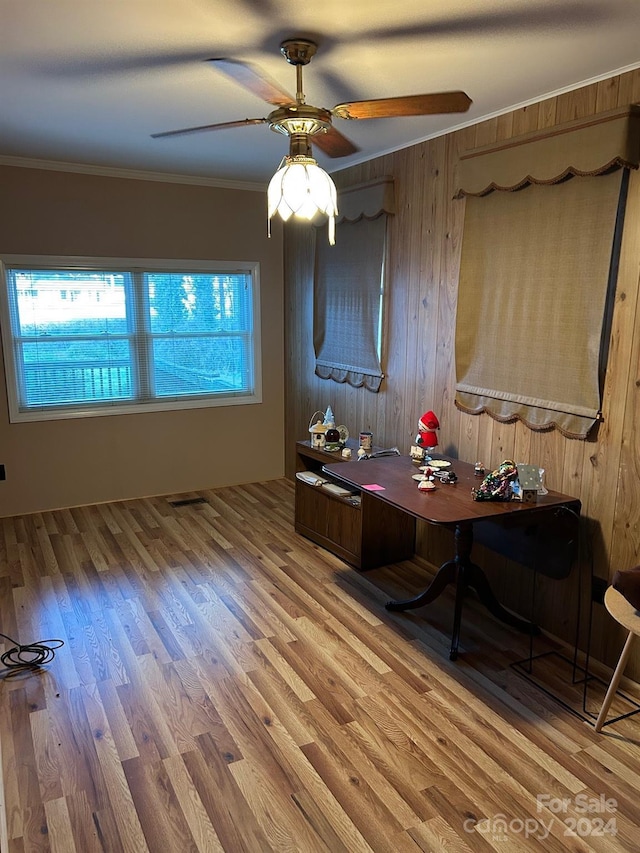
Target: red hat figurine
{"type": "Point", "coordinates": [428, 424]}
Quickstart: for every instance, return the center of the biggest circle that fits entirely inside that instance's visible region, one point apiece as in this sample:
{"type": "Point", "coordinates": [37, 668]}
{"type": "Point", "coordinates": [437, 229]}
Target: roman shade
{"type": "Point", "coordinates": [542, 229]}
{"type": "Point", "coordinates": [348, 288]}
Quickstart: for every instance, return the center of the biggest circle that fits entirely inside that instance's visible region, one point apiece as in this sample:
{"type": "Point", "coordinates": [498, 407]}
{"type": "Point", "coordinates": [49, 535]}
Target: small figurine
{"type": "Point", "coordinates": [427, 426]}
{"type": "Point", "coordinates": [497, 486]}
{"type": "Point", "coordinates": [329, 418]}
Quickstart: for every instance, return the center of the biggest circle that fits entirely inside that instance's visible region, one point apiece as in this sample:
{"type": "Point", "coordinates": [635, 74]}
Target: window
{"type": "Point", "coordinates": [90, 337]}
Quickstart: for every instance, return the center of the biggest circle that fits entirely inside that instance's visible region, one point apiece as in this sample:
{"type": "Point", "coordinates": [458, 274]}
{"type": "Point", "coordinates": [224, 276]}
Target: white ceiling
{"type": "Point", "coordinates": [88, 81]}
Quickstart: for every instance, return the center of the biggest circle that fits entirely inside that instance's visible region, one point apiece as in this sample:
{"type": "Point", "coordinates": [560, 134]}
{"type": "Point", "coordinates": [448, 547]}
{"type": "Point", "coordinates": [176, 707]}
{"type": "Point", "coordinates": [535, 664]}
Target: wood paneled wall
{"type": "Point", "coordinates": [423, 262]}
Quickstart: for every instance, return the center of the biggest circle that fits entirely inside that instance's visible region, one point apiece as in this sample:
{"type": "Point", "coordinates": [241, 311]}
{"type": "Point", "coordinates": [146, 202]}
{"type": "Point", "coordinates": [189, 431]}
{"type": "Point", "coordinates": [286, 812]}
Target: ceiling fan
{"type": "Point", "coordinates": [305, 124]}
{"type": "Point", "coordinates": [300, 188]}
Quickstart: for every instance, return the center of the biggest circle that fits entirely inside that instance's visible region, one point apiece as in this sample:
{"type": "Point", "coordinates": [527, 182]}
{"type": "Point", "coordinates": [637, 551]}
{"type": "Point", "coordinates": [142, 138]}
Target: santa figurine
{"type": "Point", "coordinates": [427, 426]}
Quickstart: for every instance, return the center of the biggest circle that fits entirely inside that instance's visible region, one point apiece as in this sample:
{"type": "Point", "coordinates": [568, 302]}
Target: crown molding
{"type": "Point", "coordinates": [131, 174]}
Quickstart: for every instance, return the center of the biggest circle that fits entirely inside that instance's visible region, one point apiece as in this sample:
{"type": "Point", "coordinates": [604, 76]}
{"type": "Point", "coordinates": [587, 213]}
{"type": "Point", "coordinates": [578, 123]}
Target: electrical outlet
{"type": "Point", "coordinates": [598, 589]}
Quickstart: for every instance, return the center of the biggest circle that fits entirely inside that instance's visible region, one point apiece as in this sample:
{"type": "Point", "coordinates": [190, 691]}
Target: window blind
{"type": "Point", "coordinates": [534, 278]}
{"type": "Point", "coordinates": [543, 222]}
{"type": "Point", "coordinates": [102, 338]}
{"type": "Point", "coordinates": [349, 288]}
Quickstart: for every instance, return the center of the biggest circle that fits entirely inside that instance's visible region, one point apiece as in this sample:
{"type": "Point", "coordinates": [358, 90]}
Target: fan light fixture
{"type": "Point", "coordinates": [300, 188]}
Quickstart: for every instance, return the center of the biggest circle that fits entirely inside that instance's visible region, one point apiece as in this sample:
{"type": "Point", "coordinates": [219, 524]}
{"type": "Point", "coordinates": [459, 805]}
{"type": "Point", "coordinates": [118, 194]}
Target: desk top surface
{"type": "Point", "coordinates": [449, 503]}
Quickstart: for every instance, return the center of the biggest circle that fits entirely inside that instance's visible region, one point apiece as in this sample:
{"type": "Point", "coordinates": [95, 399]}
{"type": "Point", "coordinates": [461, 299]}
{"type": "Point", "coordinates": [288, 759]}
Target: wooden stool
{"type": "Point", "coordinates": [627, 616]}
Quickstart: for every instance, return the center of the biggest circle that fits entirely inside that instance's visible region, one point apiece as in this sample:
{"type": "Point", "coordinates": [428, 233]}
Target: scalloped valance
{"type": "Point", "coordinates": [589, 146]}
{"type": "Point", "coordinates": [367, 200]}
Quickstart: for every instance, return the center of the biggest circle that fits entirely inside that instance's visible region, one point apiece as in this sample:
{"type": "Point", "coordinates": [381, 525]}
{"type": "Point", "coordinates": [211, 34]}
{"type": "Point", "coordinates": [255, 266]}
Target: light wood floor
{"type": "Point", "coordinates": [226, 685]}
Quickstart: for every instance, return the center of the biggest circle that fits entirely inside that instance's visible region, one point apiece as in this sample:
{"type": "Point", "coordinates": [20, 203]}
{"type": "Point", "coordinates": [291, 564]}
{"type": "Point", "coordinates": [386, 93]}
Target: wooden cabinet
{"type": "Point", "coordinates": [357, 528]}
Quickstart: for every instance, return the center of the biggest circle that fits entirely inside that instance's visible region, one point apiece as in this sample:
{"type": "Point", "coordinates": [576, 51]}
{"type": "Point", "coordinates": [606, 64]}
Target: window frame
{"type": "Point", "coordinates": [133, 266]}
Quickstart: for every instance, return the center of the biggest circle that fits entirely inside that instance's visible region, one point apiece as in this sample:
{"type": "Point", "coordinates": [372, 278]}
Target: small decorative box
{"type": "Point", "coordinates": [529, 479]}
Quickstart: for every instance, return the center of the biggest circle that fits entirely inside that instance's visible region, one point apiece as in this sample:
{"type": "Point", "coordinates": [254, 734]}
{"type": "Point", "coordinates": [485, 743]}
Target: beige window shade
{"type": "Point", "coordinates": [538, 262]}
{"type": "Point", "coordinates": [534, 277]}
{"type": "Point", "coordinates": [583, 147]}
{"type": "Point", "coordinates": [348, 288]}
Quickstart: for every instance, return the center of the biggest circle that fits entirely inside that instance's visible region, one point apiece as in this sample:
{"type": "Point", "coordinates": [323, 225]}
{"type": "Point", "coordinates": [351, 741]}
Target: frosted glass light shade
{"type": "Point", "coordinates": [302, 189]}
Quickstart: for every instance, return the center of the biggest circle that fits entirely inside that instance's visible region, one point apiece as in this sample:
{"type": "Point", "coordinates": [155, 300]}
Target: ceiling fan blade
{"type": "Point", "coordinates": [223, 125]}
{"type": "Point", "coordinates": [334, 144]}
{"type": "Point", "coordinates": [254, 81]}
{"type": "Point", "coordinates": [410, 105]}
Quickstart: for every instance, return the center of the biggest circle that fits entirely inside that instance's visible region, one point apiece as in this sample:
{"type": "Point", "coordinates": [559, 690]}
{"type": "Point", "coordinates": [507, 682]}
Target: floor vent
{"type": "Point", "coordinates": [188, 502]}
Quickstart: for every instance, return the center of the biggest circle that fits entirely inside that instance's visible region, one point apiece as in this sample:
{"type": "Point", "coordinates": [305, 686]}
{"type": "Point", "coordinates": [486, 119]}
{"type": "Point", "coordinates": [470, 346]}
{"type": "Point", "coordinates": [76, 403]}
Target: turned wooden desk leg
{"type": "Point", "coordinates": [463, 538]}
{"type": "Point", "coordinates": [457, 613]}
{"type": "Point", "coordinates": [615, 681]}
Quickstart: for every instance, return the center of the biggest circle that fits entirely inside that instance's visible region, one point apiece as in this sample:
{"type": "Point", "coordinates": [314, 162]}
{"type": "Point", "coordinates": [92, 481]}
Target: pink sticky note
{"type": "Point", "coordinates": [374, 487]}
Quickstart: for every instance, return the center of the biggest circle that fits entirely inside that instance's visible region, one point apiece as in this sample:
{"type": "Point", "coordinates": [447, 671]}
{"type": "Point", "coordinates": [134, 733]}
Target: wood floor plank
{"type": "Point", "coordinates": [202, 831]}
{"type": "Point", "coordinates": [11, 823]}
{"type": "Point", "coordinates": [146, 717]}
{"type": "Point", "coordinates": [332, 694]}
{"type": "Point", "coordinates": [226, 686]}
{"type": "Point", "coordinates": [318, 820]}
{"type": "Point", "coordinates": [234, 823]}
{"type": "Point", "coordinates": [289, 709]}
{"type": "Point", "coordinates": [282, 823]}
{"type": "Point", "coordinates": [33, 826]}
{"type": "Point", "coordinates": [436, 834]}
{"type": "Point", "coordinates": [266, 617]}
{"type": "Point", "coordinates": [370, 815]}
{"type": "Point", "coordinates": [85, 826]}
{"type": "Point", "coordinates": [111, 763]}
{"type": "Point", "coordinates": [409, 774]}
{"type": "Point", "coordinates": [162, 820]}
{"type": "Point", "coordinates": [275, 661]}
{"type": "Point", "coordinates": [59, 826]}
{"type": "Point", "coordinates": [114, 713]}
{"type": "Point", "coordinates": [309, 782]}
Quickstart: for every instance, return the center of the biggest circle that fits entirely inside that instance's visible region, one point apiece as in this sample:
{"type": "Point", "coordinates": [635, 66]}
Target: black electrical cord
{"type": "Point", "coordinates": [30, 655]}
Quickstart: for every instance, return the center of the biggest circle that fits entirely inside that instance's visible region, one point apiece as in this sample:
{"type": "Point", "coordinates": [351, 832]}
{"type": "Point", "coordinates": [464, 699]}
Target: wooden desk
{"type": "Point", "coordinates": [377, 536]}
{"type": "Point", "coordinates": [452, 506]}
